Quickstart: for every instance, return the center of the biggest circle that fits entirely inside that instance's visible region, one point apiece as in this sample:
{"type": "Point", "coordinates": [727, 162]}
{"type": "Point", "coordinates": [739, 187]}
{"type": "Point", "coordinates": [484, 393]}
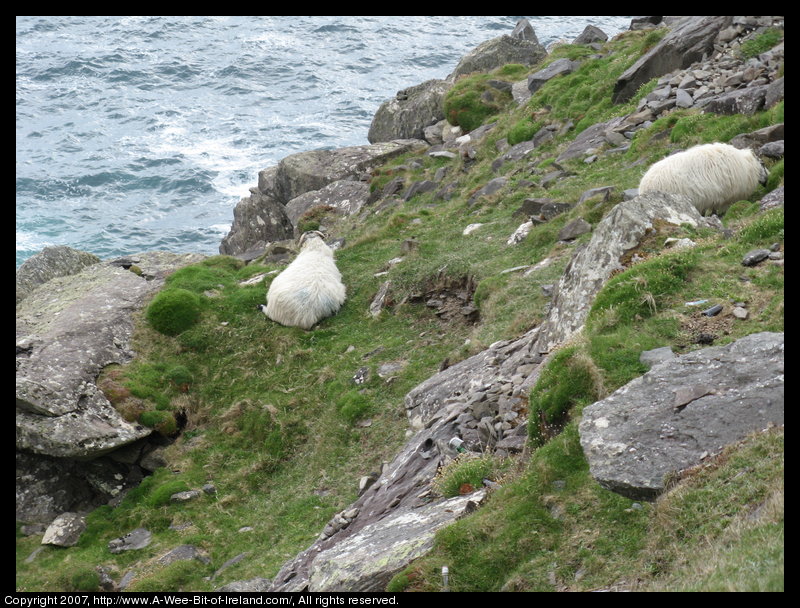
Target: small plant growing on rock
{"type": "Point", "coordinates": [173, 311]}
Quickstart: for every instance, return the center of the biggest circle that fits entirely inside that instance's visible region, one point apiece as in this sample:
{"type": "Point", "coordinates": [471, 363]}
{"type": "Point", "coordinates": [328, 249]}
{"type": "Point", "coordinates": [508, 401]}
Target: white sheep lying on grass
{"type": "Point", "coordinates": [309, 289]}
{"type": "Point", "coordinates": [713, 176]}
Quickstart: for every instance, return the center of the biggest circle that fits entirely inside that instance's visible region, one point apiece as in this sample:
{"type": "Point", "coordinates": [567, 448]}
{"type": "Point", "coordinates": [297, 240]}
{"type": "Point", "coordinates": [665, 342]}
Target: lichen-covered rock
{"type": "Point", "coordinates": [408, 114]}
{"type": "Point", "coordinates": [65, 530]}
{"type": "Point", "coordinates": [308, 171]}
{"type": "Point", "coordinates": [367, 561]}
{"type": "Point", "coordinates": [257, 220]}
{"type": "Point", "coordinates": [345, 196]}
{"type": "Point", "coordinates": [591, 266]}
{"type": "Point", "coordinates": [682, 411]}
{"type": "Point", "coordinates": [498, 52]}
{"type": "Point", "coordinates": [67, 331]}
{"type": "Point", "coordinates": [49, 263]}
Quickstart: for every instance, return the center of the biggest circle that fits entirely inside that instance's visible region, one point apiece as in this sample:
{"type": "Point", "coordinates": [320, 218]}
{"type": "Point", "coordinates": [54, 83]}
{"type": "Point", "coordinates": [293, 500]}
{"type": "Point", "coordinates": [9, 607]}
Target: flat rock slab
{"type": "Point", "coordinates": [682, 411]}
{"type": "Point", "coordinates": [367, 561]}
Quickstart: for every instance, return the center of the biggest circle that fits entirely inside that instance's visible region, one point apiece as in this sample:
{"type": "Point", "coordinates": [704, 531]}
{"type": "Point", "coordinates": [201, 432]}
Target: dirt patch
{"type": "Point", "coordinates": [697, 328]}
{"type": "Point", "coordinates": [450, 298]}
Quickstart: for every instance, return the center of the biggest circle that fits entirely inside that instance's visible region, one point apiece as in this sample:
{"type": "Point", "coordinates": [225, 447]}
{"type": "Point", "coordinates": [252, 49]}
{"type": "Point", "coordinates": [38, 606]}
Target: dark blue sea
{"type": "Point", "coordinates": [142, 133]}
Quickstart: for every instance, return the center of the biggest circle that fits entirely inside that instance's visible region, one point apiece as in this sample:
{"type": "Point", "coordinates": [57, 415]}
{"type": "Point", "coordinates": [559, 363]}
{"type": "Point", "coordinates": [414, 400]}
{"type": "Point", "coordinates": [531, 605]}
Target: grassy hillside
{"type": "Point", "coordinates": [272, 418]}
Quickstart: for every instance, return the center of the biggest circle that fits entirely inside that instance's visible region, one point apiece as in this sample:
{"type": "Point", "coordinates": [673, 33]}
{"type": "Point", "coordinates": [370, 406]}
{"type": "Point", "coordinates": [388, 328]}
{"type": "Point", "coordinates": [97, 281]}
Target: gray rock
{"type": "Point", "coordinates": [182, 553]}
{"type": "Point", "coordinates": [498, 52]}
{"type": "Point", "coordinates": [772, 199]}
{"type": "Point", "coordinates": [68, 330]}
{"type": "Point", "coordinates": [773, 149]}
{"type": "Point", "coordinates": [419, 187]}
{"type": "Point", "coordinates": [65, 530]}
{"type": "Point", "coordinates": [682, 411]}
{"type": "Point", "coordinates": [524, 31]}
{"type": "Point", "coordinates": [739, 101]}
{"type": "Point", "coordinates": [308, 171]}
{"type": "Point", "coordinates": [186, 496]}
{"type": "Point", "coordinates": [345, 196]}
{"type": "Point", "coordinates": [252, 585]}
{"type": "Point", "coordinates": [366, 561]}
{"type": "Point", "coordinates": [755, 256]}
{"type": "Point", "coordinates": [136, 539]}
{"type": "Point", "coordinates": [657, 355]}
{"type": "Point", "coordinates": [619, 231]}
{"type": "Point", "coordinates": [409, 113]}
{"type": "Point", "coordinates": [492, 186]}
{"type": "Point", "coordinates": [591, 34]}
{"type": "Point", "coordinates": [49, 263]}
{"type": "Point", "coordinates": [574, 229]}
{"type": "Point", "coordinates": [689, 41]}
{"type": "Point", "coordinates": [257, 220]}
{"type": "Point", "coordinates": [558, 68]}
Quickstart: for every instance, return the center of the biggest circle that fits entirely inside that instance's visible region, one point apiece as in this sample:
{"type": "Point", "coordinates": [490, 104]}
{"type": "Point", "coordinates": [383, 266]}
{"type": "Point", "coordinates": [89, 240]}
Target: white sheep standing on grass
{"type": "Point", "coordinates": [713, 176]}
{"type": "Point", "coordinates": [309, 289]}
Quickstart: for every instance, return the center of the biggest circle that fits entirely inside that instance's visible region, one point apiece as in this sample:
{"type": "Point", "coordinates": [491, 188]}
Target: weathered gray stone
{"type": "Point", "coordinates": [740, 101]}
{"type": "Point", "coordinates": [682, 411]}
{"type": "Point", "coordinates": [591, 33]}
{"type": "Point", "coordinates": [592, 265]}
{"type": "Point", "coordinates": [136, 539]}
{"type": "Point", "coordinates": [252, 585]}
{"type": "Point", "coordinates": [308, 171]}
{"type": "Point", "coordinates": [366, 561]}
{"type": "Point", "coordinates": [689, 41]}
{"type": "Point", "coordinates": [574, 229]}
{"type": "Point", "coordinates": [346, 196]}
{"type": "Point", "coordinates": [558, 68]}
{"type": "Point", "coordinates": [49, 263]}
{"type": "Point", "coordinates": [772, 199]}
{"type": "Point", "coordinates": [409, 113]}
{"type": "Point", "coordinates": [182, 553]}
{"type": "Point", "coordinates": [257, 220]}
{"type": "Point", "coordinates": [656, 355]}
{"type": "Point", "coordinates": [498, 52]}
{"type": "Point", "coordinates": [65, 530]}
{"type": "Point", "coordinates": [68, 330]}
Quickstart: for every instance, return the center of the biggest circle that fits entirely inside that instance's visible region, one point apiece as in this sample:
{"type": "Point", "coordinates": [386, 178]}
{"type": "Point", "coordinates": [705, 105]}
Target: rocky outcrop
{"type": "Point", "coordinates": [409, 113]}
{"type": "Point", "coordinates": [257, 220]}
{"type": "Point", "coordinates": [51, 262]}
{"type": "Point", "coordinates": [682, 411]}
{"type": "Point", "coordinates": [345, 196]}
{"type": "Point", "coordinates": [68, 330]}
{"type": "Point", "coordinates": [689, 41]}
{"type": "Point", "coordinates": [618, 232]}
{"type": "Point", "coordinates": [308, 171]}
{"type": "Point", "coordinates": [367, 561]}
{"type": "Point", "coordinates": [499, 51]}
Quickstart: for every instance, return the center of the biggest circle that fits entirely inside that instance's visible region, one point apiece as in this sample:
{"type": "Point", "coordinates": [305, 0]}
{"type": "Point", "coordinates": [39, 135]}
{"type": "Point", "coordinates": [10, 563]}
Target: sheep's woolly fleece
{"type": "Point", "coordinates": [309, 289]}
{"type": "Point", "coordinates": [713, 176]}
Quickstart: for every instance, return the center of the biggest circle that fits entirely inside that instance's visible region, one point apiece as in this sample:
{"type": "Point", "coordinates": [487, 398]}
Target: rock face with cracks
{"type": "Point", "coordinates": [682, 411]}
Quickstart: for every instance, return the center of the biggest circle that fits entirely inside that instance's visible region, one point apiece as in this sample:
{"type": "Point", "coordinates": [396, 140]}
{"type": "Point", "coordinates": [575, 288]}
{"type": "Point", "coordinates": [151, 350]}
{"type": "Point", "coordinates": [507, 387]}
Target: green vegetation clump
{"type": "Point", "coordinates": [173, 311]}
{"type": "Point", "coordinates": [570, 379]}
{"type": "Point", "coordinates": [466, 473]}
{"type": "Point", "coordinates": [761, 43]}
{"type": "Point", "coordinates": [472, 101]}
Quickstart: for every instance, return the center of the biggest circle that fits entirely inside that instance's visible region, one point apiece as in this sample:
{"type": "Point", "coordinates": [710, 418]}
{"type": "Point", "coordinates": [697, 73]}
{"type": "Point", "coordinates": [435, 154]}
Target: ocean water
{"type": "Point", "coordinates": [142, 133]}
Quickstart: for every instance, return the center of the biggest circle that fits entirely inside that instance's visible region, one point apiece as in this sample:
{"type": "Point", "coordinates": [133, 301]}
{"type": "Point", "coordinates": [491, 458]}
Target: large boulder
{"type": "Point", "coordinates": [497, 52]}
{"type": "Point", "coordinates": [681, 412]}
{"type": "Point", "coordinates": [67, 331]}
{"type": "Point", "coordinates": [308, 171]}
{"type": "Point", "coordinates": [592, 265]}
{"type": "Point", "coordinates": [689, 41]}
{"type": "Point", "coordinates": [345, 196]}
{"type": "Point", "coordinates": [257, 220]}
{"type": "Point", "coordinates": [49, 263]}
{"type": "Point", "coordinates": [409, 113]}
